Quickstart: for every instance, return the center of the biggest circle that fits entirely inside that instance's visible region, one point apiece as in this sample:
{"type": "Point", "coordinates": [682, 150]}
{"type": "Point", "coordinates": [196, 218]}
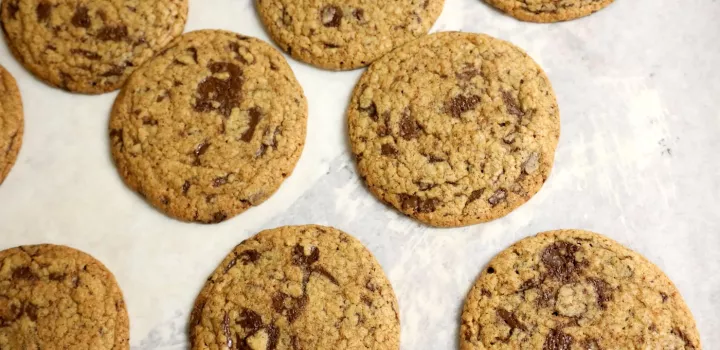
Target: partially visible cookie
{"type": "Point", "coordinates": [549, 10]}
{"type": "Point", "coordinates": [346, 34]}
{"type": "Point", "coordinates": [297, 287]}
{"type": "Point", "coordinates": [575, 289]}
{"type": "Point", "coordinates": [89, 46]}
{"type": "Point", "coordinates": [56, 297]}
{"type": "Point", "coordinates": [210, 126]}
{"type": "Point", "coordinates": [11, 122]}
{"type": "Point", "coordinates": [454, 128]}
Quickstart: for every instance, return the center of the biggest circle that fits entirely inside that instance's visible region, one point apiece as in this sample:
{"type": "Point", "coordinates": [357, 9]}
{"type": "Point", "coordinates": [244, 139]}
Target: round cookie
{"type": "Point", "coordinates": [346, 34]}
{"type": "Point", "coordinates": [11, 122]}
{"type": "Point", "coordinates": [56, 297]}
{"type": "Point", "coordinates": [297, 287]}
{"type": "Point", "coordinates": [89, 46]}
{"type": "Point", "coordinates": [574, 289]}
{"type": "Point", "coordinates": [210, 126]}
{"type": "Point", "coordinates": [549, 10]}
{"type": "Point", "coordinates": [454, 128]}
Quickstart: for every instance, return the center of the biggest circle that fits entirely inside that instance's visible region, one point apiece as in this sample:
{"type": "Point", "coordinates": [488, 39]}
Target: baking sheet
{"type": "Point", "coordinates": [639, 91]}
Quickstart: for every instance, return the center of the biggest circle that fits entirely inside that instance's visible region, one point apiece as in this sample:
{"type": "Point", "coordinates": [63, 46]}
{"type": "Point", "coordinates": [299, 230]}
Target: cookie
{"type": "Point", "coordinates": [89, 46]}
{"type": "Point", "coordinates": [297, 287]}
{"type": "Point", "coordinates": [56, 297]}
{"type": "Point", "coordinates": [210, 126]}
{"type": "Point", "coordinates": [573, 289]}
{"type": "Point", "coordinates": [549, 10]}
{"type": "Point", "coordinates": [348, 34]}
{"type": "Point", "coordinates": [454, 128]}
{"type": "Point", "coordinates": [11, 122]}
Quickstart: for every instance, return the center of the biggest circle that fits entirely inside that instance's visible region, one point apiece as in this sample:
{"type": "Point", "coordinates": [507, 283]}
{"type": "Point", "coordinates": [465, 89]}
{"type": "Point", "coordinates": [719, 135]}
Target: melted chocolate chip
{"type": "Point", "coordinates": [249, 256]}
{"type": "Point", "coordinates": [81, 19]}
{"type": "Point", "coordinates": [511, 320]}
{"type": "Point", "coordinates": [388, 150]}
{"type": "Point", "coordinates": [323, 272]}
{"type": "Point", "coordinates": [559, 259]}
{"type": "Point", "coordinates": [409, 129]}
{"type": "Point", "coordinates": [371, 111]}
{"type": "Point", "coordinates": [557, 340]}
{"type": "Point", "coordinates": [297, 305]}
{"type": "Point", "coordinates": [226, 330]}
{"type": "Point", "coordinates": [512, 105]}
{"type": "Point", "coordinates": [461, 104]}
{"type": "Point", "coordinates": [250, 320]}
{"type": "Point", "coordinates": [475, 195]}
{"type": "Point", "coordinates": [331, 16]}
{"type": "Point", "coordinates": [300, 259]}
{"type": "Point", "coordinates": [43, 11]}
{"type": "Point", "coordinates": [255, 116]}
{"type": "Point", "coordinates": [23, 273]}
{"type": "Point", "coordinates": [497, 197]}
{"type": "Point", "coordinates": [117, 33]}
{"type": "Point", "coordinates": [604, 291]}
{"type": "Point", "coordinates": [273, 337]}
{"type": "Point", "coordinates": [226, 94]}
{"type": "Point", "coordinates": [87, 54]}
{"type": "Point", "coordinates": [115, 71]}
{"type": "Point", "coordinates": [417, 204]}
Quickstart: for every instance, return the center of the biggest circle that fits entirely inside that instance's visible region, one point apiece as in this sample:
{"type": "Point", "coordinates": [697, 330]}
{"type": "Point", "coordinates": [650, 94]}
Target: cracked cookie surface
{"type": "Point", "coordinates": [454, 128]}
{"type": "Point", "coordinates": [346, 34]}
{"type": "Point", "coordinates": [210, 126]}
{"type": "Point", "coordinates": [549, 10]}
{"type": "Point", "coordinates": [89, 46]}
{"type": "Point", "coordinates": [56, 297]}
{"type": "Point", "coordinates": [573, 290]}
{"type": "Point", "coordinates": [11, 122]}
{"type": "Point", "coordinates": [297, 287]}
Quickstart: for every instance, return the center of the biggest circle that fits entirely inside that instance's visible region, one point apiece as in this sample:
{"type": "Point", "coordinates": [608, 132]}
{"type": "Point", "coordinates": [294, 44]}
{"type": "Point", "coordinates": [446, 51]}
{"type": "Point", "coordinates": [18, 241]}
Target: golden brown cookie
{"type": "Point", "coordinates": [454, 128]}
{"type": "Point", "coordinates": [210, 126]}
{"type": "Point", "coordinates": [572, 289]}
{"type": "Point", "coordinates": [89, 46]}
{"type": "Point", "coordinates": [346, 34]}
{"type": "Point", "coordinates": [549, 10]}
{"type": "Point", "coordinates": [56, 297]}
{"type": "Point", "coordinates": [11, 122]}
{"type": "Point", "coordinates": [297, 287]}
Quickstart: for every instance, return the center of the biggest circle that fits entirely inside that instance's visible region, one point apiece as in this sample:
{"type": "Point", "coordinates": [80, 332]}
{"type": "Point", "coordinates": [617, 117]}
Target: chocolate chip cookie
{"type": "Point", "coordinates": [549, 10]}
{"type": "Point", "coordinates": [11, 122]}
{"type": "Point", "coordinates": [89, 46]}
{"type": "Point", "coordinates": [210, 126]}
{"type": "Point", "coordinates": [575, 289]}
{"type": "Point", "coordinates": [346, 34]}
{"type": "Point", "coordinates": [297, 287]}
{"type": "Point", "coordinates": [55, 297]}
{"type": "Point", "coordinates": [454, 128]}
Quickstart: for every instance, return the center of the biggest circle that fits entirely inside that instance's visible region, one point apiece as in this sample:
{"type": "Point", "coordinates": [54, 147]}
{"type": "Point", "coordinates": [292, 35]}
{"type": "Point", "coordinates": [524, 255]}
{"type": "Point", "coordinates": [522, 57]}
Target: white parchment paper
{"type": "Point", "coordinates": [639, 160]}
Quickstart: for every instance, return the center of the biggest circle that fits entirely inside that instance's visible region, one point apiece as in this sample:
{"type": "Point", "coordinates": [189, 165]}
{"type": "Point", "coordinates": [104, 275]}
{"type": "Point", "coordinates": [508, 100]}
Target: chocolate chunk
{"type": "Point", "coordinates": [250, 320]}
{"type": "Point", "coordinates": [467, 74]}
{"type": "Point", "coordinates": [293, 312]}
{"type": "Point", "coordinates": [300, 259]}
{"type": "Point", "coordinates": [87, 54]}
{"type": "Point", "coordinates": [510, 319]}
{"type": "Point", "coordinates": [511, 104]}
{"type": "Point", "coordinates": [31, 311]}
{"type": "Point", "coordinates": [273, 337]}
{"type": "Point", "coordinates": [23, 273]}
{"type": "Point", "coordinates": [680, 334]}
{"type": "Point", "coordinates": [458, 105]}
{"type": "Point", "coordinates": [475, 195]}
{"type": "Point", "coordinates": [416, 204]}
{"type": "Point", "coordinates": [322, 271]}
{"type": "Point", "coordinates": [497, 197]}
{"type": "Point", "coordinates": [81, 19]}
{"type": "Point", "coordinates": [249, 256]}
{"type": "Point", "coordinates": [331, 45]}
{"type": "Point", "coordinates": [557, 340]}
{"type": "Point", "coordinates": [201, 148]}
{"type": "Point", "coordinates": [409, 128]}
{"type": "Point", "coordinates": [218, 217]}
{"type": "Point", "coordinates": [559, 259]}
{"type": "Point", "coordinates": [214, 94]}
{"type": "Point", "coordinates": [388, 150]}
{"type": "Point", "coordinates": [13, 9]}
{"type": "Point", "coordinates": [115, 71]}
{"type": "Point", "coordinates": [255, 116]}
{"type": "Point", "coordinates": [371, 111]}
{"type": "Point", "coordinates": [604, 291]}
{"type": "Point", "coordinates": [117, 33]}
{"type": "Point", "coordinates": [43, 11]}
{"type": "Point", "coordinates": [219, 181]}
{"type": "Point", "coordinates": [532, 164]}
{"type": "Point", "coordinates": [331, 16]}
